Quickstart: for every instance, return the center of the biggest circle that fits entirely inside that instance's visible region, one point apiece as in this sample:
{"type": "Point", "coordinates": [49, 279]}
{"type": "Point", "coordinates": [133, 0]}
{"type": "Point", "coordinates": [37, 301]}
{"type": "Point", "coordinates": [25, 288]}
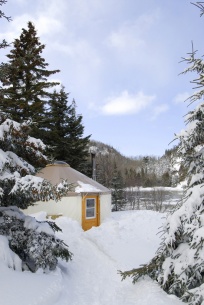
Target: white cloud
{"type": "Point", "coordinates": [82, 51]}
{"type": "Point", "coordinates": [131, 35]}
{"type": "Point", "coordinates": [127, 103]}
{"type": "Point", "coordinates": [124, 39]}
{"type": "Point", "coordinates": [181, 97]}
{"type": "Point", "coordinates": [83, 65]}
{"type": "Point", "coordinates": [67, 48]}
{"type": "Point", "coordinates": [47, 20]}
{"type": "Point", "coordinates": [14, 27]}
{"type": "Point", "coordinates": [47, 25]}
{"type": "Point", "coordinates": [135, 43]}
{"type": "Point", "coordinates": [159, 110]}
{"type": "Point", "coordinates": [87, 9]}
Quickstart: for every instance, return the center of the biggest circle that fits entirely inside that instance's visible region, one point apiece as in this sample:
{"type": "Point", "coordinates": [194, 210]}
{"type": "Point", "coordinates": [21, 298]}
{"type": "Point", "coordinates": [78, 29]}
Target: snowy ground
{"type": "Point", "coordinates": [123, 242]}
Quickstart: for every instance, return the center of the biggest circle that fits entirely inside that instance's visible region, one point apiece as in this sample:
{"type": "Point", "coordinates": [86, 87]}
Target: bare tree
{"type": "Point", "coordinates": [133, 197]}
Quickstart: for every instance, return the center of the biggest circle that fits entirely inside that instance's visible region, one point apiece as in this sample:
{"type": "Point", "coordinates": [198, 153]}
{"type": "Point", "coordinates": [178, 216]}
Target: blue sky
{"type": "Point", "coordinates": [120, 61]}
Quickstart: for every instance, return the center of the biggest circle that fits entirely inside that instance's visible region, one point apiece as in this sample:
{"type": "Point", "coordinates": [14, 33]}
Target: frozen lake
{"type": "Point", "coordinates": [157, 198]}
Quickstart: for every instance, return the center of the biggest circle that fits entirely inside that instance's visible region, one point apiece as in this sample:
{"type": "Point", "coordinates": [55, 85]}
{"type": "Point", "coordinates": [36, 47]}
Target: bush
{"type": "Point", "coordinates": [34, 242]}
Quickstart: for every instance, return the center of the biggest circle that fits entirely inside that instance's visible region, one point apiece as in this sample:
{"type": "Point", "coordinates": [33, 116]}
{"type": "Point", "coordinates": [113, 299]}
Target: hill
{"type": "Point", "coordinates": [143, 171]}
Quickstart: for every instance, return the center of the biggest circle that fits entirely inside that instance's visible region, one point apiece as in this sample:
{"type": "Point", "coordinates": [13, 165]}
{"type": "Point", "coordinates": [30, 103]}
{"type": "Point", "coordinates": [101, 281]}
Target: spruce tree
{"type": "Point", "coordinates": [118, 194]}
{"type": "Point", "coordinates": [179, 263]}
{"type": "Point", "coordinates": [21, 156]}
{"type": "Point", "coordinates": [25, 78]}
{"type": "Point", "coordinates": [78, 145]}
{"type": "Point", "coordinates": [34, 242]}
{"type": "Point", "coordinates": [65, 131]}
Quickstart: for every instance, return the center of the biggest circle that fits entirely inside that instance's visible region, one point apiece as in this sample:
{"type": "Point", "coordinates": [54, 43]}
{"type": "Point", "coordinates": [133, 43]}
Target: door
{"type": "Point", "coordinates": [90, 212]}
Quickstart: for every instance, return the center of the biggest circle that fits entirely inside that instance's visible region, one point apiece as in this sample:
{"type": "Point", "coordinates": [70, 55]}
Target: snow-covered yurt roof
{"type": "Point", "coordinates": [60, 170]}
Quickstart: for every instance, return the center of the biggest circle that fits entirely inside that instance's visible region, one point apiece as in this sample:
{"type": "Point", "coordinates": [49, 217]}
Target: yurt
{"type": "Point", "coordinates": [89, 202]}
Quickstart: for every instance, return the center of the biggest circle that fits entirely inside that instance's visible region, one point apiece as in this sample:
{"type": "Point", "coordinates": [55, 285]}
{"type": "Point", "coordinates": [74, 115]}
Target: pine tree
{"type": "Point", "coordinates": [179, 263]}
{"type": "Point", "coordinates": [25, 78]}
{"type": "Point", "coordinates": [65, 131]}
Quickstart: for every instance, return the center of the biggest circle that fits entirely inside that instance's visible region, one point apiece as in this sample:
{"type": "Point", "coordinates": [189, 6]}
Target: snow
{"type": "Point", "coordinates": [85, 187]}
{"type": "Point", "coordinates": [19, 162]}
{"type": "Point", "coordinates": [93, 149]}
{"type": "Point", "coordinates": [36, 142]}
{"type": "Point", "coordinates": [31, 223]}
{"type": "Point", "coordinates": [180, 186]}
{"type": "Point", "coordinates": [124, 241]}
{"type": "Point", "coordinates": [6, 126]}
{"type": "Point", "coordinates": [7, 256]}
{"type": "Point", "coordinates": [4, 159]}
{"type": "Point", "coordinates": [27, 182]}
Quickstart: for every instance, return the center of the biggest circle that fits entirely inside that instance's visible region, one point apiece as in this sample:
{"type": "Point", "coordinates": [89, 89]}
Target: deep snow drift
{"type": "Point", "coordinates": [124, 241]}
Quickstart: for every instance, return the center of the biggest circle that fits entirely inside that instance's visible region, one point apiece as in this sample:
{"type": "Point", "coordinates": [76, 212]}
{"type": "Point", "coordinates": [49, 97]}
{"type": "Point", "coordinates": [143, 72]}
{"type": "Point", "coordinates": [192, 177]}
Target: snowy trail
{"type": "Point", "coordinates": [91, 277]}
{"type": "Point", "coordinates": [98, 255]}
{"type": "Point", "coordinates": [124, 241]}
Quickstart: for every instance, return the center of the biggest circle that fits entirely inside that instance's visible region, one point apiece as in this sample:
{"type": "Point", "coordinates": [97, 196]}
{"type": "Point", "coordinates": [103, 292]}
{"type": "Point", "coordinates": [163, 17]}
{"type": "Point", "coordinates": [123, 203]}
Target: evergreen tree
{"type": "Point", "coordinates": [65, 131]}
{"type": "Point", "coordinates": [78, 145]}
{"type": "Point", "coordinates": [130, 177]}
{"type": "Point", "coordinates": [25, 78]}
{"type": "Point", "coordinates": [166, 179]}
{"type": "Point", "coordinates": [118, 195]}
{"type": "Point", "coordinates": [32, 241]}
{"type": "Point", "coordinates": [21, 155]}
{"type": "Point", "coordinates": [179, 263]}
{"type": "Point", "coordinates": [30, 244]}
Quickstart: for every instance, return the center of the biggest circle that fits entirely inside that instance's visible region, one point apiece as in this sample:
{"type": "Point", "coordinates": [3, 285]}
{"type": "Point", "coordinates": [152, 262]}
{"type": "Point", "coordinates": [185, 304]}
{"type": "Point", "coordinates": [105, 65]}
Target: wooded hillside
{"type": "Point", "coordinates": [146, 171]}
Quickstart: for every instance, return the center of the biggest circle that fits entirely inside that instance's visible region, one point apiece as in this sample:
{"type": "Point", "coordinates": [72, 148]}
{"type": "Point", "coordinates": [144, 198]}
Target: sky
{"type": "Point", "coordinates": [121, 61]}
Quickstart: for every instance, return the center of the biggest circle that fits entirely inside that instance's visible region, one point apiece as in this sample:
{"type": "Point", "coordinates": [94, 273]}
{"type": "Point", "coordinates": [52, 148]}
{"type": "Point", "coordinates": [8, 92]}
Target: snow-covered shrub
{"type": "Point", "coordinates": [34, 242]}
{"type": "Point", "coordinates": [20, 156]}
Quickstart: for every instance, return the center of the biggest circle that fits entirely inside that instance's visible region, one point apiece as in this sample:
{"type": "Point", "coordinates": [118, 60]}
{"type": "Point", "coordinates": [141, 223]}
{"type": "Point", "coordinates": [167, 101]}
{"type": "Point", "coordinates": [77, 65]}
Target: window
{"type": "Point", "coordinates": [90, 208]}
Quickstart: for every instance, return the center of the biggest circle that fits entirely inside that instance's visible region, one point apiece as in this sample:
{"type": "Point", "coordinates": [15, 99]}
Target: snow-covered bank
{"type": "Point", "coordinates": [124, 241]}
